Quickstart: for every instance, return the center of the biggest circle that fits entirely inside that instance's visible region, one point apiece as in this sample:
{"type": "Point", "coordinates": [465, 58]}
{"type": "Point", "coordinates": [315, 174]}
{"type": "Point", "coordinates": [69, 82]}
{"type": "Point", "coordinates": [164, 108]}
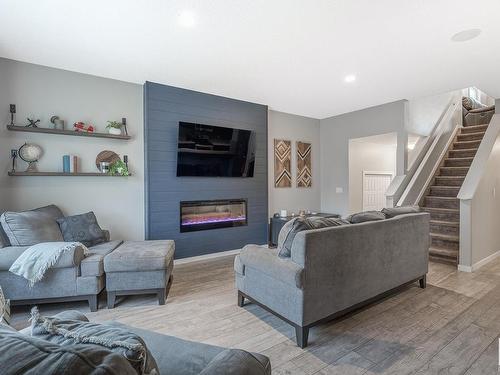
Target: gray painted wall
{"type": "Point", "coordinates": [335, 134]}
{"type": "Point", "coordinates": [497, 105]}
{"type": "Point", "coordinates": [164, 107]}
{"type": "Point", "coordinates": [42, 92]}
{"type": "Point", "coordinates": [294, 128]}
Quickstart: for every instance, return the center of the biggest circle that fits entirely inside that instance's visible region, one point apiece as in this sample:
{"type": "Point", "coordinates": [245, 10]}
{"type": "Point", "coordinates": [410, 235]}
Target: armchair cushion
{"type": "Point", "coordinates": [362, 217]}
{"type": "Point", "coordinates": [30, 227]}
{"type": "Point", "coordinates": [266, 261]}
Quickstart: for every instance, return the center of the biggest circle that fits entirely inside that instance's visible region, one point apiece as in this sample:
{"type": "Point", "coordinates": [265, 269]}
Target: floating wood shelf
{"type": "Point", "coordinates": [17, 128]}
{"type": "Point", "coordinates": [63, 174]}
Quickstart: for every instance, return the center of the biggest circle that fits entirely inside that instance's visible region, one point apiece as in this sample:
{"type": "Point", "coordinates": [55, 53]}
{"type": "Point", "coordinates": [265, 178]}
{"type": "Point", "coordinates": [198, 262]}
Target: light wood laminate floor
{"type": "Point", "coordinates": [451, 327]}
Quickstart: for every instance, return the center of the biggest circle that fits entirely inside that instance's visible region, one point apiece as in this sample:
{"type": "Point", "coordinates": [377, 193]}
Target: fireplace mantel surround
{"type": "Point", "coordinates": [164, 108]}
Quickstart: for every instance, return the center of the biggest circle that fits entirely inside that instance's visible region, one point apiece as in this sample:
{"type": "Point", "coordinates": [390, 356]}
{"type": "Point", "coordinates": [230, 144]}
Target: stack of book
{"type": "Point", "coordinates": [70, 164]}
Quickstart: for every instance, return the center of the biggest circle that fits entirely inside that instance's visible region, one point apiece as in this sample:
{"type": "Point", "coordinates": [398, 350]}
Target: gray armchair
{"type": "Point", "coordinates": [334, 270]}
{"type": "Point", "coordinates": [73, 278]}
{"type": "Point", "coordinates": [475, 113]}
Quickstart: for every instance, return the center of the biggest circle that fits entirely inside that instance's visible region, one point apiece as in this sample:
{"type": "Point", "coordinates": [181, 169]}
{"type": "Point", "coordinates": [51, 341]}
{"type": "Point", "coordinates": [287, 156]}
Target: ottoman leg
{"type": "Point", "coordinates": [93, 302]}
{"type": "Point", "coordinates": [111, 300]}
{"type": "Point", "coordinates": [162, 296]}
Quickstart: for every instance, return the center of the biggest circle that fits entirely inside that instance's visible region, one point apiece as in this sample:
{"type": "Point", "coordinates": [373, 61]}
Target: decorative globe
{"type": "Point", "coordinates": [30, 152]}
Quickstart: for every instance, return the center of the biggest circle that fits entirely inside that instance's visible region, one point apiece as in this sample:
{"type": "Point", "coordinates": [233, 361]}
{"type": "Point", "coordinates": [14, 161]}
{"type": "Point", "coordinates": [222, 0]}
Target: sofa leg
{"type": "Point", "coordinates": [241, 299]}
{"type": "Point", "coordinates": [301, 335]}
{"type": "Point", "coordinates": [423, 282]}
{"type": "Point", "coordinates": [93, 303]}
{"type": "Point", "coordinates": [162, 296]}
{"type": "Point", "coordinates": [111, 300]}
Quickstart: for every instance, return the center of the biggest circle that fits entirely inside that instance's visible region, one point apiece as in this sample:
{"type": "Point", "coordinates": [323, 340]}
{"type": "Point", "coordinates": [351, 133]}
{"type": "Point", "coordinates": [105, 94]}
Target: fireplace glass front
{"type": "Point", "coordinates": [212, 214]}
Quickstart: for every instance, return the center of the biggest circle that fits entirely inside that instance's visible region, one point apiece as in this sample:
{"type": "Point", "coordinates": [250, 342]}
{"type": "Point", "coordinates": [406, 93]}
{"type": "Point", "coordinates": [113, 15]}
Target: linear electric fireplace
{"type": "Point", "coordinates": [203, 215]}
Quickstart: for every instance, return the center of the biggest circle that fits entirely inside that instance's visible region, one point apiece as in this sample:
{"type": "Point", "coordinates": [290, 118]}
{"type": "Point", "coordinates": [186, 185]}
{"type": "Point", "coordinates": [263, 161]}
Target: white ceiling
{"type": "Point", "coordinates": [292, 55]}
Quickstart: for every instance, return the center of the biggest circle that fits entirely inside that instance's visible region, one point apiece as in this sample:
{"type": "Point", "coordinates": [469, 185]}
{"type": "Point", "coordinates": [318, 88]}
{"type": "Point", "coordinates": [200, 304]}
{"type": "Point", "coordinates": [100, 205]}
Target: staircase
{"type": "Point", "coordinates": [441, 199]}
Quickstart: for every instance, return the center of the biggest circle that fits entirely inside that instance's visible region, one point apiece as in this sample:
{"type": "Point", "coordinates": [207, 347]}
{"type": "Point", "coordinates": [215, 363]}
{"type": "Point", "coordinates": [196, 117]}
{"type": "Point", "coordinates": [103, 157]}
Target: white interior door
{"type": "Point", "coordinates": [375, 185]}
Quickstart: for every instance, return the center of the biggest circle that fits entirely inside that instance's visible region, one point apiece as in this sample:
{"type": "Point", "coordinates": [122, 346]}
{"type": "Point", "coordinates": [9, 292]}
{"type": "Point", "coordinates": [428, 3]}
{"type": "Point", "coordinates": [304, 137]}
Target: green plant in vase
{"type": "Point", "coordinates": [114, 127]}
{"type": "Point", "coordinates": [118, 168]}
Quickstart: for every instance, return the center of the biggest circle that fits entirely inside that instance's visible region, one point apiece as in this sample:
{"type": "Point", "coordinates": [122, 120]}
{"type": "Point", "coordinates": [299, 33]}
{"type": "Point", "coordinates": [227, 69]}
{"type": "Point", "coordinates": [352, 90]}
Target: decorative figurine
{"type": "Point", "coordinates": [58, 123]}
{"type": "Point", "coordinates": [12, 112]}
{"type": "Point", "coordinates": [13, 155]}
{"type": "Point", "coordinates": [82, 127]}
{"type": "Point", "coordinates": [32, 123]}
{"type": "Point", "coordinates": [124, 124]}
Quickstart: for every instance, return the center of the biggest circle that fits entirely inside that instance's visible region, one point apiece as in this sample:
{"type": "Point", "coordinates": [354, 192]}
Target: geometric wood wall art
{"type": "Point", "coordinates": [282, 163]}
{"type": "Point", "coordinates": [304, 172]}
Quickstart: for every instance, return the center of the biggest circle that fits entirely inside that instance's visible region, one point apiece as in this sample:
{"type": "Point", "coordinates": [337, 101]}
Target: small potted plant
{"type": "Point", "coordinates": [114, 127]}
{"type": "Point", "coordinates": [118, 168]}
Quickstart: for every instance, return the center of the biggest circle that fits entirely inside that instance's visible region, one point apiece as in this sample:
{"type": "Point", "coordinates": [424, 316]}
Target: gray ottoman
{"type": "Point", "coordinates": [139, 267]}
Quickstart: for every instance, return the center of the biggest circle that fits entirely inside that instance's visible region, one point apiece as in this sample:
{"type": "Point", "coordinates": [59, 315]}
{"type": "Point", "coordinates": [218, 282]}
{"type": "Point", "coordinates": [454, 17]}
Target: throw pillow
{"type": "Point", "coordinates": [365, 216]}
{"type": "Point", "coordinates": [395, 211]}
{"type": "Point", "coordinates": [82, 228]}
{"type": "Point", "coordinates": [30, 227]}
{"type": "Point", "coordinates": [290, 229]}
{"type": "Point", "coordinates": [470, 104]}
{"type": "Point", "coordinates": [23, 354]}
{"type": "Point", "coordinates": [67, 332]}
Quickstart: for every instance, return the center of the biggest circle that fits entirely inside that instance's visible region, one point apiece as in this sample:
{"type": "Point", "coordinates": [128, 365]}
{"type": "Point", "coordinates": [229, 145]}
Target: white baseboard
{"type": "Point", "coordinates": [479, 264]}
{"type": "Point", "coordinates": [206, 256]}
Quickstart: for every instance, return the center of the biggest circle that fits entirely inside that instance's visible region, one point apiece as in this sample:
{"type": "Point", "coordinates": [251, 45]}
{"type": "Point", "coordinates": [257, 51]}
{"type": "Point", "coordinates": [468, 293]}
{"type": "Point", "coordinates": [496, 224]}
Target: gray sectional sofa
{"type": "Point", "coordinates": [135, 267]}
{"type": "Point", "coordinates": [334, 270]}
{"type": "Point", "coordinates": [30, 351]}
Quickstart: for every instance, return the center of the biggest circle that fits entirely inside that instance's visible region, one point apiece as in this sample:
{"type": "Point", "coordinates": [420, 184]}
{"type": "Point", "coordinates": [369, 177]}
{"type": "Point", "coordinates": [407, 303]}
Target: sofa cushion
{"type": "Point", "coordinates": [82, 228]}
{"type": "Point", "coordinates": [395, 211]}
{"type": "Point", "coordinates": [177, 356]}
{"type": "Point", "coordinates": [237, 361]}
{"type": "Point", "coordinates": [23, 354]}
{"type": "Point", "coordinates": [290, 229]}
{"type": "Point", "coordinates": [365, 216]}
{"type": "Point", "coordinates": [68, 332]}
{"type": "Point", "coordinates": [93, 264]}
{"type": "Point", "coordinates": [140, 256]}
{"type": "Point", "coordinates": [9, 255]}
{"type": "Point", "coordinates": [31, 227]}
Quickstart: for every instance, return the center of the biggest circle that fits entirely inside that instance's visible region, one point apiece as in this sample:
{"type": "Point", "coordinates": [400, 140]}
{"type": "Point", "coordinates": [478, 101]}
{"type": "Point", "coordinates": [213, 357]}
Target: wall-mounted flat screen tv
{"type": "Point", "coordinates": [215, 151]}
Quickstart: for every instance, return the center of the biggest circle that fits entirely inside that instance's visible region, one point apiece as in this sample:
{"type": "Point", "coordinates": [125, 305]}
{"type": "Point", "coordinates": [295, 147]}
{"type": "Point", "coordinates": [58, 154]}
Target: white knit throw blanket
{"type": "Point", "coordinates": [34, 262]}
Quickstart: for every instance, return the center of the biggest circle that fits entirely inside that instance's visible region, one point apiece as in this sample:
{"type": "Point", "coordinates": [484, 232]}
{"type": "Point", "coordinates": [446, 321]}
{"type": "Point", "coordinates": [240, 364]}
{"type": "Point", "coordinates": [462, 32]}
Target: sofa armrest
{"type": "Point", "coordinates": [482, 110]}
{"type": "Point", "coordinates": [71, 258]}
{"type": "Point", "coordinates": [267, 261]}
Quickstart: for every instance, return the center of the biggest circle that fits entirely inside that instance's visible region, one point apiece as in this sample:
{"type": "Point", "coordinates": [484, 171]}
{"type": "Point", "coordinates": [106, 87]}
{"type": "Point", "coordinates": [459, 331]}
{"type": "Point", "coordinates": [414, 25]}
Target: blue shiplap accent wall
{"type": "Point", "coordinates": [164, 107]}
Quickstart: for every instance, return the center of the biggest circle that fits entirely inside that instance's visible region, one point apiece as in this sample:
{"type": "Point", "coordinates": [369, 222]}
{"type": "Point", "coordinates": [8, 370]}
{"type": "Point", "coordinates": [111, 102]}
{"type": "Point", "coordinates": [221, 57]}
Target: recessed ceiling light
{"type": "Point", "coordinates": [350, 78]}
{"type": "Point", "coordinates": [466, 35]}
{"type": "Point", "coordinates": [186, 19]}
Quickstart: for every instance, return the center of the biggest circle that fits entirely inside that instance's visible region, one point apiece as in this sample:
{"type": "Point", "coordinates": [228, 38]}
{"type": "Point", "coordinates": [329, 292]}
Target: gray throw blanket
{"type": "Point", "coordinates": [34, 262]}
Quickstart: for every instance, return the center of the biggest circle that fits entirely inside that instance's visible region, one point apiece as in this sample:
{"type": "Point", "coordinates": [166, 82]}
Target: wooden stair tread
{"type": "Point", "coordinates": [473, 133]}
{"type": "Point", "coordinates": [466, 158]}
{"type": "Point", "coordinates": [444, 222]}
{"type": "Point", "coordinates": [446, 237]}
{"type": "Point", "coordinates": [450, 253]}
{"type": "Point", "coordinates": [441, 197]}
{"type": "Point", "coordinates": [451, 210]}
{"type": "Point", "coordinates": [466, 149]}
{"type": "Point", "coordinates": [437, 259]}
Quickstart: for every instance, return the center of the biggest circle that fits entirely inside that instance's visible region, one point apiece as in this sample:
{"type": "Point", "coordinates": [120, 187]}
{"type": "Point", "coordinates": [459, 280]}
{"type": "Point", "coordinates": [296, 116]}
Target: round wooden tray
{"type": "Point", "coordinates": [109, 156]}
